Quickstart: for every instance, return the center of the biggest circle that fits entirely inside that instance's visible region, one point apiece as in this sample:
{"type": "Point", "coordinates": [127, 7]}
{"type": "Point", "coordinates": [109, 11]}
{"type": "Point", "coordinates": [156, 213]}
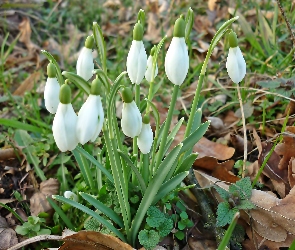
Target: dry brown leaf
{"type": "Point", "coordinates": [93, 241]}
{"type": "Point", "coordinates": [206, 147]}
{"type": "Point", "coordinates": [257, 141]}
{"type": "Point", "coordinates": [201, 244]}
{"type": "Point", "coordinates": [216, 124]}
{"type": "Point", "coordinates": [25, 37]}
{"type": "Point", "coordinates": [212, 5]}
{"type": "Point", "coordinates": [291, 172]}
{"type": "Point", "coordinates": [210, 163]}
{"type": "Point", "coordinates": [112, 4]}
{"type": "Point", "coordinates": [223, 174]}
{"type": "Point", "coordinates": [28, 83]}
{"type": "Point", "coordinates": [7, 235]}
{"type": "Point", "coordinates": [38, 202]}
{"type": "Point", "coordinates": [238, 143]}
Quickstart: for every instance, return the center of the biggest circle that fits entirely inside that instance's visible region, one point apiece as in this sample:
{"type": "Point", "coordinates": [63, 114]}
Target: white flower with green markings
{"type": "Point", "coordinates": [148, 72]}
{"type": "Point", "coordinates": [145, 138]}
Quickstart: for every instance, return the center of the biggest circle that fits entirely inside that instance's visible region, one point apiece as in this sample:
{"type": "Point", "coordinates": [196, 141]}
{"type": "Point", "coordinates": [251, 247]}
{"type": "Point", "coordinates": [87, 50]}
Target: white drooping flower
{"type": "Point", "coordinates": [235, 63]}
{"type": "Point", "coordinates": [177, 59]}
{"type": "Point", "coordinates": [145, 138]}
{"type": "Point", "coordinates": [90, 116]}
{"type": "Point", "coordinates": [71, 195]}
{"type": "Point", "coordinates": [51, 91]}
{"type": "Point", "coordinates": [65, 122]}
{"type": "Point", "coordinates": [137, 58]}
{"type": "Point", "coordinates": [148, 73]}
{"type": "Point", "coordinates": [85, 65]}
{"type": "Point", "coordinates": [131, 118]}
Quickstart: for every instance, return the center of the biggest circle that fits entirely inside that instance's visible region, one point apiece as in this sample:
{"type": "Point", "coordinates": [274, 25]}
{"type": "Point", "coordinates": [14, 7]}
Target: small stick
{"type": "Point", "coordinates": [287, 22]}
{"type": "Point", "coordinates": [245, 131]}
{"type": "Point", "coordinates": [36, 239]}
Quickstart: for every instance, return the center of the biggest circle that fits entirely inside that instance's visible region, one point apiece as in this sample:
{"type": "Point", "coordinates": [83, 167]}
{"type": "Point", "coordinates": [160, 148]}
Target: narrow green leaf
{"type": "Point", "coordinates": [91, 213]}
{"type": "Point", "coordinates": [20, 125]}
{"type": "Point", "coordinates": [81, 166]}
{"type": "Point", "coordinates": [78, 81]}
{"type": "Point", "coordinates": [134, 169]}
{"type": "Point", "coordinates": [58, 71]}
{"type": "Point", "coordinates": [186, 164]}
{"type": "Point", "coordinates": [100, 44]}
{"type": "Point", "coordinates": [141, 17]}
{"type": "Point", "coordinates": [103, 208]}
{"type": "Point", "coordinates": [189, 21]}
{"type": "Point", "coordinates": [169, 186]}
{"type": "Point", "coordinates": [175, 129]}
{"type": "Point", "coordinates": [61, 214]}
{"type": "Point", "coordinates": [95, 162]}
{"type": "Point", "coordinates": [103, 78]}
{"type": "Point", "coordinates": [197, 119]}
{"type": "Point", "coordinates": [156, 115]}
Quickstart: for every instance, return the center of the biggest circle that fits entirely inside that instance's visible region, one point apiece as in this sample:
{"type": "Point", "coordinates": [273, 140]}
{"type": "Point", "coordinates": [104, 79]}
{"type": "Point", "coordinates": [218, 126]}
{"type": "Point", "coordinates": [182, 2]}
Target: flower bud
{"type": "Point", "coordinates": [65, 121]}
{"type": "Point", "coordinates": [90, 116]}
{"type": "Point", "coordinates": [148, 73]}
{"type": "Point", "coordinates": [145, 138]}
{"type": "Point", "coordinates": [235, 64]}
{"type": "Point", "coordinates": [51, 91]}
{"type": "Point", "coordinates": [137, 58]}
{"type": "Point", "coordinates": [70, 195]}
{"type": "Point", "coordinates": [177, 59]}
{"type": "Point", "coordinates": [85, 64]}
{"type": "Point", "coordinates": [131, 118]}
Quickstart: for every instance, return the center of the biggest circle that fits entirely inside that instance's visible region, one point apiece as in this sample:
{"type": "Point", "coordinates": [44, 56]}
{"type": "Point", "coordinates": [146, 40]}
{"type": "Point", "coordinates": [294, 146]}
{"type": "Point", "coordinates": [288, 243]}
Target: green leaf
{"type": "Point", "coordinates": [100, 44]}
{"type": "Point", "coordinates": [156, 115]}
{"type": "Point", "coordinates": [181, 225]}
{"type": "Point", "coordinates": [148, 238]}
{"type": "Point", "coordinates": [141, 17]}
{"type": "Point", "coordinates": [155, 217]}
{"type": "Point", "coordinates": [22, 230]}
{"type": "Point", "coordinates": [20, 125]}
{"type": "Point", "coordinates": [222, 192]}
{"type": "Point", "coordinates": [186, 164]}
{"type": "Point", "coordinates": [91, 213]}
{"type": "Point", "coordinates": [183, 215]}
{"type": "Point", "coordinates": [179, 235]}
{"type": "Point", "coordinates": [103, 208]}
{"type": "Point", "coordinates": [269, 84]}
{"type": "Point", "coordinates": [22, 138]}
{"type": "Point", "coordinates": [169, 186]}
{"type": "Point", "coordinates": [175, 129]}
{"type": "Point", "coordinates": [243, 187]}
{"type": "Point", "coordinates": [78, 81]}
{"type": "Point", "coordinates": [225, 214]}
{"type": "Point", "coordinates": [165, 227]}
{"type": "Point", "coordinates": [44, 231]}
{"type": "Point", "coordinates": [245, 204]}
{"type": "Point", "coordinates": [189, 21]}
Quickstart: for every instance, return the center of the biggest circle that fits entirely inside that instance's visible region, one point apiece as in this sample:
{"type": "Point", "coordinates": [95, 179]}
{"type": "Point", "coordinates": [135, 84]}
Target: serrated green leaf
{"type": "Point", "coordinates": [155, 217]}
{"type": "Point", "coordinates": [243, 187]}
{"type": "Point", "coordinates": [222, 192]}
{"type": "Point", "coordinates": [225, 214]}
{"type": "Point", "coordinates": [165, 227]}
{"type": "Point", "coordinates": [245, 204]}
{"type": "Point", "coordinates": [148, 238]}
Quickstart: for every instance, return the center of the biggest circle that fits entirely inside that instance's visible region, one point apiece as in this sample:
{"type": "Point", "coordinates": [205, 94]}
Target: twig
{"type": "Point", "coordinates": [36, 239]}
{"type": "Point", "coordinates": [287, 22]}
{"type": "Point", "coordinates": [245, 131]}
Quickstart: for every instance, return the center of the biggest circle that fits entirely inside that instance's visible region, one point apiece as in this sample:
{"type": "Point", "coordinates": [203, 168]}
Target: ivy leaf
{"type": "Point", "coordinates": [225, 214]}
{"type": "Point", "coordinates": [223, 193]}
{"type": "Point", "coordinates": [166, 227]}
{"type": "Point", "coordinates": [243, 187]}
{"type": "Point", "coordinates": [245, 204]}
{"type": "Point", "coordinates": [155, 217]}
{"type": "Point", "coordinates": [148, 238]}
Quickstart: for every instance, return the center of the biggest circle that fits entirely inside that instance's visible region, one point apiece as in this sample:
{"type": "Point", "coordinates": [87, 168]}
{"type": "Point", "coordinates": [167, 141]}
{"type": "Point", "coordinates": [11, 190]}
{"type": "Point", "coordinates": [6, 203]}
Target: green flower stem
{"type": "Point", "coordinates": [117, 182]}
{"type": "Point", "coordinates": [145, 168]}
{"type": "Point", "coordinates": [167, 126]}
{"type": "Point", "coordinates": [88, 172]}
{"type": "Point", "coordinates": [137, 101]}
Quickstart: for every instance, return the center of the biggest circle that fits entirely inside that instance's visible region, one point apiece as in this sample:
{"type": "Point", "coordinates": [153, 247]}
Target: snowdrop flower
{"type": "Point", "coordinates": [90, 116]}
{"type": "Point", "coordinates": [51, 90]}
{"type": "Point", "coordinates": [148, 72]}
{"type": "Point", "coordinates": [137, 58]}
{"type": "Point", "coordinates": [85, 64]}
{"type": "Point", "coordinates": [177, 59]}
{"type": "Point", "coordinates": [71, 195]}
{"type": "Point", "coordinates": [145, 138]}
{"type": "Point", "coordinates": [131, 117]}
{"type": "Point", "coordinates": [235, 64]}
{"type": "Point", "coordinates": [65, 121]}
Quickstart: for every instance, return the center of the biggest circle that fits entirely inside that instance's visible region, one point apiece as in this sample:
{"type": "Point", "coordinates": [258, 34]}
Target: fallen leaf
{"type": "Point", "coordinates": [8, 236]}
{"type": "Point", "coordinates": [25, 37]}
{"type": "Point", "coordinates": [210, 163]}
{"type": "Point", "coordinates": [223, 174]}
{"type": "Point", "coordinates": [238, 143]}
{"type": "Point", "coordinates": [201, 244]}
{"type": "Point", "coordinates": [28, 83]}
{"type": "Point", "coordinates": [291, 172]}
{"type": "Point", "coordinates": [38, 202]}
{"type": "Point", "coordinates": [91, 240]}
{"type": "Point", "coordinates": [248, 110]}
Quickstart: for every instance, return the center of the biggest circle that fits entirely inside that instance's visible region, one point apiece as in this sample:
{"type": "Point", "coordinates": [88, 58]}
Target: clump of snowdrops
{"type": "Point", "coordinates": [148, 165]}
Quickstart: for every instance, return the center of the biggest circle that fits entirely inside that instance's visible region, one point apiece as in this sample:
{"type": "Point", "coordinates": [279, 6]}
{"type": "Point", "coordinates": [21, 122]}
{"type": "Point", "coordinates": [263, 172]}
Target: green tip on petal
{"type": "Point", "coordinates": [153, 50]}
{"type": "Point", "coordinates": [95, 87]}
{"type": "Point", "coordinates": [232, 39]}
{"type": "Point", "coordinates": [51, 70]}
{"type": "Point", "coordinates": [179, 28]}
{"type": "Point", "coordinates": [65, 93]}
{"type": "Point", "coordinates": [89, 42]}
{"type": "Point", "coordinates": [138, 32]}
{"type": "Point", "coordinates": [127, 95]}
{"type": "Point", "coordinates": [146, 119]}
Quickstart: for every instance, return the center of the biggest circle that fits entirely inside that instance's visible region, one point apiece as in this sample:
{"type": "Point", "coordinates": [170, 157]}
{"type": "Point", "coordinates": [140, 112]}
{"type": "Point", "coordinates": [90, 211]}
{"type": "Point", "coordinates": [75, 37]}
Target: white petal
{"type": "Point", "coordinates": [236, 65]}
{"type": "Point", "coordinates": [85, 64]}
{"type": "Point", "coordinates": [100, 120]}
{"type": "Point", "coordinates": [145, 139]}
{"type": "Point", "coordinates": [89, 118]}
{"type": "Point", "coordinates": [131, 120]}
{"type": "Point", "coordinates": [71, 195]}
{"type": "Point", "coordinates": [136, 62]}
{"type": "Point", "coordinates": [64, 127]}
{"type": "Point", "coordinates": [51, 95]}
{"type": "Point", "coordinates": [177, 61]}
{"type": "Point", "coordinates": [148, 73]}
